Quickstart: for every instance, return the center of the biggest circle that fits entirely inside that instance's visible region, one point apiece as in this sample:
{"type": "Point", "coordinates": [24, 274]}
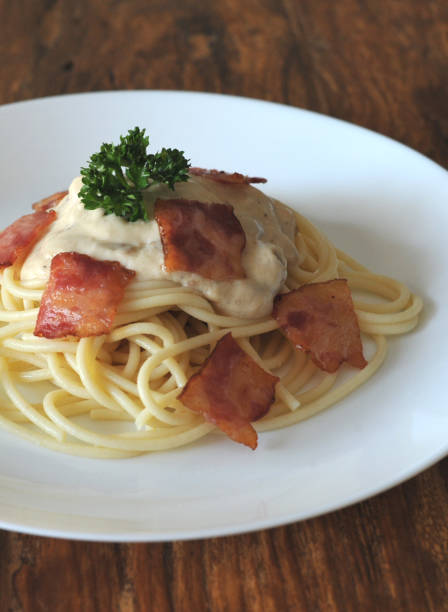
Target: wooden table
{"type": "Point", "coordinates": [381, 64]}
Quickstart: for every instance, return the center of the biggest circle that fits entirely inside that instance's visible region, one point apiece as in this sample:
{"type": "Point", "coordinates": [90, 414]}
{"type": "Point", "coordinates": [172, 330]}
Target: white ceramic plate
{"type": "Point", "coordinates": [376, 199]}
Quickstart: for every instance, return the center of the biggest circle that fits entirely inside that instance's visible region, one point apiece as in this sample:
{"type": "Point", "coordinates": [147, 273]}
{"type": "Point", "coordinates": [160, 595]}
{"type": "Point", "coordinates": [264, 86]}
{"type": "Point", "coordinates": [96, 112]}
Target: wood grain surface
{"type": "Point", "coordinates": [382, 64]}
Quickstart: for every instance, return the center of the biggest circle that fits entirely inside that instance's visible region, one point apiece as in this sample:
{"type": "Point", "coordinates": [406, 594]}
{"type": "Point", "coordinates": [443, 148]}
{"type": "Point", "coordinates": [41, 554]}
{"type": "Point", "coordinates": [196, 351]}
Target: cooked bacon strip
{"type": "Point", "coordinates": [320, 318]}
{"type": "Point", "coordinates": [82, 296]}
{"type": "Point", "coordinates": [227, 177]}
{"type": "Point", "coordinates": [50, 201]}
{"type": "Point", "coordinates": [231, 391]}
{"type": "Point", "coordinates": [206, 239]}
{"type": "Point", "coordinates": [17, 239]}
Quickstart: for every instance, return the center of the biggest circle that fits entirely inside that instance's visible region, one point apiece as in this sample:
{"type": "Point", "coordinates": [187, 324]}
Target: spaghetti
{"type": "Point", "coordinates": [115, 395]}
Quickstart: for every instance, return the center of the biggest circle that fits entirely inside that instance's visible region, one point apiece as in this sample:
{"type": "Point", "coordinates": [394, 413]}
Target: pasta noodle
{"type": "Point", "coordinates": [116, 395]}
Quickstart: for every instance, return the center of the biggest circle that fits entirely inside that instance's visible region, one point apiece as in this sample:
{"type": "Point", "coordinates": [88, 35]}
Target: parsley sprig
{"type": "Point", "coordinates": [117, 175]}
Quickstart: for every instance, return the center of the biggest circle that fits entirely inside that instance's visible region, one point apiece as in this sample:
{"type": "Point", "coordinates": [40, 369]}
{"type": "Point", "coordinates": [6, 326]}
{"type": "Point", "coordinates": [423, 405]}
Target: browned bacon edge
{"type": "Point", "coordinates": [231, 390]}
{"type": "Point", "coordinates": [220, 176]}
{"type": "Point", "coordinates": [50, 201]}
{"type": "Point", "coordinates": [206, 239]}
{"type": "Point", "coordinates": [18, 239]}
{"type": "Point", "coordinates": [82, 296]}
{"type": "Point", "coordinates": [319, 318]}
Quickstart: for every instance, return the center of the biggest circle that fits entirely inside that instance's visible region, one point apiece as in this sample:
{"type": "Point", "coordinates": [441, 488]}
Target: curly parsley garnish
{"type": "Point", "coordinates": [117, 175]}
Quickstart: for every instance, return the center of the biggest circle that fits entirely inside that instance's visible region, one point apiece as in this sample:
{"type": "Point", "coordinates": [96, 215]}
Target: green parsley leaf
{"type": "Point", "coordinates": [117, 175]}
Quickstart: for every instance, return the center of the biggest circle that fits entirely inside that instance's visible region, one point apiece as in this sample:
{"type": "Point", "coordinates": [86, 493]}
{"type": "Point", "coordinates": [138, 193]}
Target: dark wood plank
{"type": "Point", "coordinates": [379, 64]}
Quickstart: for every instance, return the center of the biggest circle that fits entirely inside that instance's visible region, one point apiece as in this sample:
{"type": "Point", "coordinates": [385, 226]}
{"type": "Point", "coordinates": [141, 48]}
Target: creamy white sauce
{"type": "Point", "coordinates": [269, 227]}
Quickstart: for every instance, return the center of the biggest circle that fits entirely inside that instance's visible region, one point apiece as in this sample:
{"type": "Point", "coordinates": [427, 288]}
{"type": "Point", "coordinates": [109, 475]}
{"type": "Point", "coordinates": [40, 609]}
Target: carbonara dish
{"type": "Point", "coordinates": [153, 303]}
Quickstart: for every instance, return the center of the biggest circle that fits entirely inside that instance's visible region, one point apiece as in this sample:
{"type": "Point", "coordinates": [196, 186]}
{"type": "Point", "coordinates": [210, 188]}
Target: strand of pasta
{"type": "Point", "coordinates": [328, 399]}
{"type": "Point", "coordinates": [153, 440]}
{"type": "Point", "coordinates": [25, 407]}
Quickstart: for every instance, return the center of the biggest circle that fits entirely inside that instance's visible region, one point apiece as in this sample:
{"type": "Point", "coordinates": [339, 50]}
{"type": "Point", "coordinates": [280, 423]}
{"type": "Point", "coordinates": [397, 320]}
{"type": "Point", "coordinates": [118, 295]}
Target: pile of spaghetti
{"type": "Point", "coordinates": [117, 394]}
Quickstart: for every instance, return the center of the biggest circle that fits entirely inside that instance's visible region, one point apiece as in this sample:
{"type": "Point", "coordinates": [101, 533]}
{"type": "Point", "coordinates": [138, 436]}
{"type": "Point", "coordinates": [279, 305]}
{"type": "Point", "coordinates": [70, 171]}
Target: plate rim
{"type": "Point", "coordinates": [244, 99]}
{"type": "Point", "coordinates": [216, 532]}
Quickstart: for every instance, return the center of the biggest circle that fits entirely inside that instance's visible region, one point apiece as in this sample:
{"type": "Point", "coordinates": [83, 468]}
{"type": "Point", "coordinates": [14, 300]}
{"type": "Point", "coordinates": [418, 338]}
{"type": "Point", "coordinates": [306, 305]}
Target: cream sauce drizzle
{"type": "Point", "coordinates": [269, 227]}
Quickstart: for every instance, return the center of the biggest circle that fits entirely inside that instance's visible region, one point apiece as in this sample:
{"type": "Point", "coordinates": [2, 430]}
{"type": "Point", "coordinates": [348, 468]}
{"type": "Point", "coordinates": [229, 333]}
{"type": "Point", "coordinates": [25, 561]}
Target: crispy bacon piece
{"type": "Point", "coordinates": [231, 391]}
{"type": "Point", "coordinates": [50, 201]}
{"type": "Point", "coordinates": [320, 318]}
{"type": "Point", "coordinates": [220, 176]}
{"type": "Point", "coordinates": [82, 296]}
{"type": "Point", "coordinates": [17, 239]}
{"type": "Point", "coordinates": [206, 239]}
